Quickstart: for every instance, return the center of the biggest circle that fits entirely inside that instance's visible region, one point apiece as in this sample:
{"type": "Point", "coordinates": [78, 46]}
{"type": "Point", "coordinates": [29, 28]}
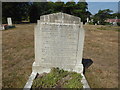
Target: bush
{"type": "Point", "coordinates": [118, 23]}
{"type": "Point", "coordinates": [91, 23]}
{"type": "Point", "coordinates": [4, 20]}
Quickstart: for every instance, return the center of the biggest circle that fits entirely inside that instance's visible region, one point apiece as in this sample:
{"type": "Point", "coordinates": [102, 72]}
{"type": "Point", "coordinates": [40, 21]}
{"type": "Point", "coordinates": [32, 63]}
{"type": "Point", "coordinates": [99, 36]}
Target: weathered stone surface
{"type": "Point", "coordinates": [59, 40]}
{"type": "Point", "coordinates": [60, 18]}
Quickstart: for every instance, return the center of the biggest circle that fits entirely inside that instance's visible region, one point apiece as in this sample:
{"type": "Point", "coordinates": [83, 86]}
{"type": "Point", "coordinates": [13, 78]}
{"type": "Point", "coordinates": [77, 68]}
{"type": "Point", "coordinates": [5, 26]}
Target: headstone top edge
{"type": "Point", "coordinates": [60, 18]}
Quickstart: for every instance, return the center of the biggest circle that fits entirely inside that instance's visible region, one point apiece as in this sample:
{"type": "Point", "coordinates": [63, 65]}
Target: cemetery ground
{"type": "Point", "coordinates": [101, 46]}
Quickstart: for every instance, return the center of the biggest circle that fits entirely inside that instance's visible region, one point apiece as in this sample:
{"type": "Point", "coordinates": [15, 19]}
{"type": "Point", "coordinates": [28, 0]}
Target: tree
{"type": "Point", "coordinates": [40, 8]}
{"type": "Point", "coordinates": [22, 10]}
{"type": "Point", "coordinates": [33, 14]}
{"type": "Point", "coordinates": [115, 15]}
{"type": "Point", "coordinates": [102, 15]}
{"type": "Point", "coordinates": [69, 7]}
{"type": "Point", "coordinates": [80, 10]}
{"type": "Point", "coordinates": [15, 10]}
{"type": "Point", "coordinates": [58, 7]}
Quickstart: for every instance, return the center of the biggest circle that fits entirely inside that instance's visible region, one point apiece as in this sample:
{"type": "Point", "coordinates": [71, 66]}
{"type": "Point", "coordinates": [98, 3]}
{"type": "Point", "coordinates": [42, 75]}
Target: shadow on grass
{"type": "Point", "coordinates": [86, 63]}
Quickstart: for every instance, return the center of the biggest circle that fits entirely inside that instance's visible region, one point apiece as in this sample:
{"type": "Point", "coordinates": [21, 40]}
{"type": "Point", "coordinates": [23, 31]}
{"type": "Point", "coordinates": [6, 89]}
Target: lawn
{"type": "Point", "coordinates": [101, 46]}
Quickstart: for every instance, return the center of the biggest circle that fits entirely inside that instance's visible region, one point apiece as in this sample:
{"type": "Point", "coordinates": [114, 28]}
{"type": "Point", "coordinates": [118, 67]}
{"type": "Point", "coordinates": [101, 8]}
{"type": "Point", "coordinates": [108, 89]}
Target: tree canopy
{"type": "Point", "coordinates": [32, 11]}
{"type": "Point", "coordinates": [23, 10]}
{"type": "Point", "coordinates": [16, 10]}
{"type": "Point", "coordinates": [102, 15]}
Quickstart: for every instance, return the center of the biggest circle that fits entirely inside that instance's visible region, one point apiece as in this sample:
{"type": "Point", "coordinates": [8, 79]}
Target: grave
{"type": "Point", "coordinates": [95, 23]}
{"type": "Point", "coordinates": [92, 20]}
{"type": "Point", "coordinates": [9, 25]}
{"type": "Point", "coordinates": [98, 22]}
{"type": "Point", "coordinates": [9, 20]}
{"type": "Point", "coordinates": [2, 27]}
{"type": "Point", "coordinates": [87, 21]}
{"type": "Point", "coordinates": [59, 40]}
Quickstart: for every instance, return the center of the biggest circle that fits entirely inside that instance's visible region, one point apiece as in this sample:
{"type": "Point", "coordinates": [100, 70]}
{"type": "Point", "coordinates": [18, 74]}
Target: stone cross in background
{"type": "Point", "coordinates": [9, 20]}
{"type": "Point", "coordinates": [59, 40]}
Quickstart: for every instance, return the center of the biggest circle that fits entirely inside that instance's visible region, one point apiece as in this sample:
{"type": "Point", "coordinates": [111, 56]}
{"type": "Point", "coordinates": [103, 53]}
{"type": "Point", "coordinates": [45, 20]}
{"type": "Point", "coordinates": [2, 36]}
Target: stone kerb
{"type": "Point", "coordinates": [59, 39]}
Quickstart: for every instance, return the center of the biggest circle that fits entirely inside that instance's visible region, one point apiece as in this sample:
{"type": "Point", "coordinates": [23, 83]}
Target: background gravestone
{"type": "Point", "coordinates": [9, 20]}
{"type": "Point", "coordinates": [59, 40]}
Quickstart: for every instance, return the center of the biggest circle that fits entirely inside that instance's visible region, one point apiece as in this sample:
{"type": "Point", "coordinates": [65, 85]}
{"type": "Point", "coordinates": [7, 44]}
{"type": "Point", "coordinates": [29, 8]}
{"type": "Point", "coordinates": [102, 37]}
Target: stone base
{"type": "Point", "coordinates": [46, 67]}
{"type": "Point", "coordinates": [39, 69]}
{"type": "Point", "coordinates": [78, 68]}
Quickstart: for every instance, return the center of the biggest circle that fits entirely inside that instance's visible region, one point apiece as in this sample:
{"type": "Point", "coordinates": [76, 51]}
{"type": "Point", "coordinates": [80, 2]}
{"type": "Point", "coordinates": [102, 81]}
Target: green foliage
{"type": "Point", "coordinates": [80, 10]}
{"type": "Point", "coordinates": [91, 23]}
{"type": "Point", "coordinates": [22, 10]}
{"type": "Point", "coordinates": [58, 7]}
{"type": "Point", "coordinates": [50, 80]}
{"type": "Point", "coordinates": [15, 10]}
{"type": "Point", "coordinates": [118, 23]}
{"type": "Point", "coordinates": [42, 8]}
{"type": "Point", "coordinates": [33, 13]}
{"type": "Point", "coordinates": [74, 82]}
{"type": "Point", "coordinates": [102, 15]}
{"type": "Point", "coordinates": [69, 7]}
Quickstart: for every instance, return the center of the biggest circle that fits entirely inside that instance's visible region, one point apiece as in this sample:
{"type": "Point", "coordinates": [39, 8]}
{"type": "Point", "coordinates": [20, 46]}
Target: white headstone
{"type": "Point", "coordinates": [87, 19]}
{"type": "Point", "coordinates": [115, 23]}
{"type": "Point", "coordinates": [9, 20]}
{"type": "Point", "coordinates": [59, 40]}
{"type": "Point", "coordinates": [116, 17]}
{"type": "Point", "coordinates": [86, 23]}
{"type": "Point", "coordinates": [95, 23]}
{"type": "Point", "coordinates": [91, 20]}
{"type": "Point", "coordinates": [2, 27]}
{"type": "Point", "coordinates": [98, 22]}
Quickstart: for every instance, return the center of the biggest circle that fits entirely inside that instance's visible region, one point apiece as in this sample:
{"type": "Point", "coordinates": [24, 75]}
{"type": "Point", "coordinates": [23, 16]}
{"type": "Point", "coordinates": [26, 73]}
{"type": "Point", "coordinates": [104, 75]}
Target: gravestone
{"type": "Point", "coordinates": [92, 20]}
{"type": "Point", "coordinates": [59, 40]}
{"type": "Point", "coordinates": [87, 19]}
{"type": "Point", "coordinates": [2, 27]}
{"type": "Point", "coordinates": [95, 23]}
{"type": "Point", "coordinates": [98, 22]}
{"type": "Point", "coordinates": [9, 20]}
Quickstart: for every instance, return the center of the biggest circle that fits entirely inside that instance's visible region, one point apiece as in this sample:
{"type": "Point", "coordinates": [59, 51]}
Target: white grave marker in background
{"type": "Point", "coordinates": [9, 20]}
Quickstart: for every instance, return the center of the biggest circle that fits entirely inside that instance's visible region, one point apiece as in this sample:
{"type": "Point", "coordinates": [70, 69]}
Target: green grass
{"type": "Point", "coordinates": [74, 82]}
{"type": "Point", "coordinates": [56, 76]}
